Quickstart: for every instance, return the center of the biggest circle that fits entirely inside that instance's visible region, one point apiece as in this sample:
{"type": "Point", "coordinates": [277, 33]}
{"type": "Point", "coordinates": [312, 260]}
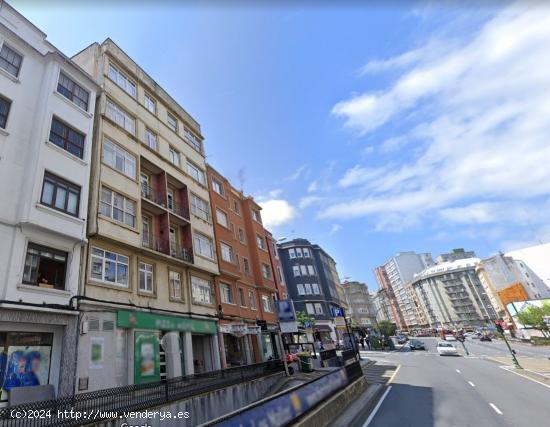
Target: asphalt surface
{"type": "Point", "coordinates": [431, 390]}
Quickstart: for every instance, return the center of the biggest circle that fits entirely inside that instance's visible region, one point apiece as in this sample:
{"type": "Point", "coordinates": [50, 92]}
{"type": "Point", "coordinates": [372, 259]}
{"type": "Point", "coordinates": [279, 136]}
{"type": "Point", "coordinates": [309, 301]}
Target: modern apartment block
{"type": "Point", "coordinates": [360, 306]}
{"type": "Point", "coordinates": [508, 280]}
{"type": "Point", "coordinates": [452, 296]}
{"type": "Point", "coordinates": [248, 278]}
{"type": "Point", "coordinates": [147, 300]}
{"type": "Point", "coordinates": [455, 255]}
{"type": "Point", "coordinates": [46, 127]}
{"type": "Point", "coordinates": [312, 279]}
{"type": "Point", "coordinates": [382, 310]}
{"type": "Point", "coordinates": [394, 275]}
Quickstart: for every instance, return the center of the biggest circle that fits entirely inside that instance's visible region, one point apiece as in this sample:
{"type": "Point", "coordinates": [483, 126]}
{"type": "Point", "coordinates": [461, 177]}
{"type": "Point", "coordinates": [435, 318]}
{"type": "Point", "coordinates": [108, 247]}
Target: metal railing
{"type": "Point", "coordinates": [353, 371]}
{"type": "Point", "coordinates": [180, 210]}
{"type": "Point", "coordinates": [153, 195]}
{"type": "Point", "coordinates": [111, 403]}
{"type": "Point", "coordinates": [184, 254]}
{"type": "Point", "coordinates": [148, 240]}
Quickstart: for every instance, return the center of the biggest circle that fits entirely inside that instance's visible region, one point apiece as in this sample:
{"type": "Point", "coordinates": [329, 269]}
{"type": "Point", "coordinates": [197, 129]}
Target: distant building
{"type": "Point", "coordinates": [452, 295]}
{"type": "Point", "coordinates": [360, 307]}
{"type": "Point", "coordinates": [537, 258]}
{"type": "Point", "coordinates": [312, 281]}
{"type": "Point", "coordinates": [455, 255]}
{"type": "Point", "coordinates": [392, 278]}
{"type": "Point", "coordinates": [381, 307]}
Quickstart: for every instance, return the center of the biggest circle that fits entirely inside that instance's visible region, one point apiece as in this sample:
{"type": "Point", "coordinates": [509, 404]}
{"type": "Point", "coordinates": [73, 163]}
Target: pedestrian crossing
{"type": "Point", "coordinates": [380, 373]}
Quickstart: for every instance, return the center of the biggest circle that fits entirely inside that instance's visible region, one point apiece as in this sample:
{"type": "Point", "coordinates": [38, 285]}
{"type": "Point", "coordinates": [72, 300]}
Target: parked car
{"type": "Point", "coordinates": [416, 345]}
{"type": "Point", "coordinates": [446, 349]}
{"type": "Point", "coordinates": [450, 338]}
{"type": "Point", "coordinates": [401, 339]}
{"type": "Point", "coordinates": [485, 338]}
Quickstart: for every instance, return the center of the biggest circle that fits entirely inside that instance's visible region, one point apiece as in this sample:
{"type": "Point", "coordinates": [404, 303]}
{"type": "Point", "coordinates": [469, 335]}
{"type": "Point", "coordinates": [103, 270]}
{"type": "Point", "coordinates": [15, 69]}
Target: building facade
{"type": "Point", "coordinates": [381, 306]}
{"type": "Point", "coordinates": [455, 255]}
{"type": "Point", "coordinates": [46, 128]}
{"type": "Point", "coordinates": [537, 258]}
{"type": "Point", "coordinates": [393, 277]}
{"type": "Point", "coordinates": [452, 296]}
{"type": "Point", "coordinates": [240, 291]}
{"type": "Point", "coordinates": [360, 306]}
{"type": "Point", "coordinates": [147, 300]}
{"type": "Point", "coordinates": [312, 279]}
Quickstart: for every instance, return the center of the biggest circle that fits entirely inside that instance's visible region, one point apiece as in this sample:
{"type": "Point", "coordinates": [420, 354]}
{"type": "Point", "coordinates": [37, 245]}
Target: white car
{"type": "Point", "coordinates": [446, 349]}
{"type": "Point", "coordinates": [450, 338]}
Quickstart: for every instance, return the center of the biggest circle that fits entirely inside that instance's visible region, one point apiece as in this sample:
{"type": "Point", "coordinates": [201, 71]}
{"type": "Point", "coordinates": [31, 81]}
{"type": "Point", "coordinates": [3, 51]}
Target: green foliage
{"type": "Point", "coordinates": [302, 317]}
{"type": "Point", "coordinates": [387, 328]}
{"type": "Point", "coordinates": [534, 317]}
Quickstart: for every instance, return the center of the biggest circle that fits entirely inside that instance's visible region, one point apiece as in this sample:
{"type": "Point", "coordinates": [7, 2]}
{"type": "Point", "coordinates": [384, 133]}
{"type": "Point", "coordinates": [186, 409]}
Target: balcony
{"type": "Point", "coordinates": [180, 210]}
{"type": "Point", "coordinates": [152, 195]}
{"type": "Point", "coordinates": [181, 253]}
{"type": "Point", "coordinates": [154, 243]}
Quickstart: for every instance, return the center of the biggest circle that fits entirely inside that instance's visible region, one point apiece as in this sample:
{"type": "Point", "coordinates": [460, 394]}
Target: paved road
{"type": "Point", "coordinates": [430, 390]}
{"type": "Point", "coordinates": [498, 348]}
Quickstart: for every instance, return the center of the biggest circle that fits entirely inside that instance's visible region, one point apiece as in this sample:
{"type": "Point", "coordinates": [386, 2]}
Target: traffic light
{"type": "Point", "coordinates": [499, 327]}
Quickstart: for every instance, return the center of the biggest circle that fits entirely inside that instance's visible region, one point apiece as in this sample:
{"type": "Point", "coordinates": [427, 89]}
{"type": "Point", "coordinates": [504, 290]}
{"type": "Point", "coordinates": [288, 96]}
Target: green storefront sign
{"type": "Point", "coordinates": [140, 320]}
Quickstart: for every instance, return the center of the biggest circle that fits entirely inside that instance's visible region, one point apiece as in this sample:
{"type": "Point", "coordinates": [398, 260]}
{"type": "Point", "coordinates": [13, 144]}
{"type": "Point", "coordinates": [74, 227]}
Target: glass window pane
{"type": "Point", "coordinates": [72, 204]}
{"type": "Point", "coordinates": [60, 198]}
{"type": "Point", "coordinates": [110, 271]}
{"type": "Point", "coordinates": [47, 193]}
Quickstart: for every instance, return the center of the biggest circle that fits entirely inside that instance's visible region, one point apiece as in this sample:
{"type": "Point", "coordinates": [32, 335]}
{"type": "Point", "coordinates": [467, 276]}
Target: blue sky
{"type": "Point", "coordinates": [366, 129]}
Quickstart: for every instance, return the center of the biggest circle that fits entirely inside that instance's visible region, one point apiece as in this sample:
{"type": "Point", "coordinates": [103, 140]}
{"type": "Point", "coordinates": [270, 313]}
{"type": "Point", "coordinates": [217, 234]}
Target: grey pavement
{"type": "Point", "coordinates": [431, 390]}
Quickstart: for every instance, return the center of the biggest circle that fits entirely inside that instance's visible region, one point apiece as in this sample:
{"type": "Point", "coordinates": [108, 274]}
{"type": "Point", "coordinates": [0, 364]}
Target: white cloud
{"type": "Point", "coordinates": [275, 193]}
{"type": "Point", "coordinates": [309, 200]}
{"type": "Point", "coordinates": [313, 186]}
{"type": "Point", "coordinates": [302, 171]}
{"type": "Point", "coordinates": [276, 212]}
{"type": "Point", "coordinates": [481, 112]}
{"type": "Point", "coordinates": [335, 228]}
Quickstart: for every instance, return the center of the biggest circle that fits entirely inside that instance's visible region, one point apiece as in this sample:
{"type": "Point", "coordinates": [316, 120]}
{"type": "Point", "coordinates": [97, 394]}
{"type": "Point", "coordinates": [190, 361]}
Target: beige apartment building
{"type": "Point", "coordinates": [147, 299]}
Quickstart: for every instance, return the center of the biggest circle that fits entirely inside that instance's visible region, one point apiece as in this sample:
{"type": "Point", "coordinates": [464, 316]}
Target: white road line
{"type": "Point", "coordinates": [458, 370]}
{"type": "Point", "coordinates": [376, 408]}
{"type": "Point", "coordinates": [498, 411]}
{"type": "Point", "coordinates": [506, 368]}
{"type": "Point", "coordinates": [471, 383]}
{"type": "Point", "coordinates": [394, 374]}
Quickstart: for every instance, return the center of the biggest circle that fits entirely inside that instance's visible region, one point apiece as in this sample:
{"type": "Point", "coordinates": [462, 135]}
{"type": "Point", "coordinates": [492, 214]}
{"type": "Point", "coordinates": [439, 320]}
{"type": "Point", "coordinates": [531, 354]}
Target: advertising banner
{"type": "Point", "coordinates": [285, 311]}
{"type": "Point", "coordinates": [146, 357]}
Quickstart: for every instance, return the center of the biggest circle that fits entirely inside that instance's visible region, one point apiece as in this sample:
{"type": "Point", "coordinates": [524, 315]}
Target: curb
{"type": "Point", "coordinates": [527, 372]}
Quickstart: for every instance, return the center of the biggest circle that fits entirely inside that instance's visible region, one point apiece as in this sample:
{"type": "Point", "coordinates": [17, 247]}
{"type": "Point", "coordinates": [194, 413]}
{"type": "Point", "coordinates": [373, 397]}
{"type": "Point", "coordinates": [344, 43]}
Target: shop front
{"type": "Point", "coordinates": [269, 340]}
{"type": "Point", "coordinates": [324, 334]}
{"type": "Point", "coordinates": [240, 343]}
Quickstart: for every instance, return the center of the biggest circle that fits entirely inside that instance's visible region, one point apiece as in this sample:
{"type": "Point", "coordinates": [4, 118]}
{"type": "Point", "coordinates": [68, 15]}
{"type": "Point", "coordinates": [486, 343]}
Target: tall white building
{"type": "Point", "coordinates": [537, 258]}
{"type": "Point", "coordinates": [46, 123]}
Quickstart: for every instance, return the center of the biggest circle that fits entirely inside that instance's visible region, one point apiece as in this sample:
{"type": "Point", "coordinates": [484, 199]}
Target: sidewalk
{"type": "Point", "coordinates": [536, 368]}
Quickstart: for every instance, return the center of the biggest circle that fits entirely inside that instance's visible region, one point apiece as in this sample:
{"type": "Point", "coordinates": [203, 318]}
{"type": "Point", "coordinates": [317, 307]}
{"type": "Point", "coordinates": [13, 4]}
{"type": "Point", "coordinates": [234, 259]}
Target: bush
{"type": "Point", "coordinates": [540, 341]}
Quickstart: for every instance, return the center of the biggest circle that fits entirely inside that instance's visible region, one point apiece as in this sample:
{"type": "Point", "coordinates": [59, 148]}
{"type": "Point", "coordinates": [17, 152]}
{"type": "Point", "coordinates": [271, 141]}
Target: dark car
{"type": "Point", "coordinates": [485, 338]}
{"type": "Point", "coordinates": [416, 345]}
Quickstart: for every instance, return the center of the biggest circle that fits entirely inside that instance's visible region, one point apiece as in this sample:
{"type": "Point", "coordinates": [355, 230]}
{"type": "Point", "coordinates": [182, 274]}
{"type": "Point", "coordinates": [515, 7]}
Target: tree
{"type": "Point", "coordinates": [533, 316]}
{"type": "Point", "coordinates": [302, 317]}
{"type": "Point", "coordinates": [387, 328]}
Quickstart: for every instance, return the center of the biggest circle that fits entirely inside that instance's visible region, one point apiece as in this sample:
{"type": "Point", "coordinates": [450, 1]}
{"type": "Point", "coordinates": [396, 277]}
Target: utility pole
{"type": "Point", "coordinates": [512, 352]}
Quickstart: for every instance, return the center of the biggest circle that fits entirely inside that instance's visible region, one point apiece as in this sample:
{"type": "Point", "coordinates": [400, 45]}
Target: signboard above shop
{"type": "Point", "coordinates": [141, 320]}
{"type": "Point", "coordinates": [285, 310]}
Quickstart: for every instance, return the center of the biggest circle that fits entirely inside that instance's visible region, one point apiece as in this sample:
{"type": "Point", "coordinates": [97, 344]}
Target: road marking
{"type": "Point", "coordinates": [394, 374]}
{"type": "Point", "coordinates": [458, 370]}
{"type": "Point", "coordinates": [377, 407]}
{"type": "Point", "coordinates": [498, 411]}
{"type": "Point", "coordinates": [506, 368]}
{"type": "Point", "coordinates": [471, 383]}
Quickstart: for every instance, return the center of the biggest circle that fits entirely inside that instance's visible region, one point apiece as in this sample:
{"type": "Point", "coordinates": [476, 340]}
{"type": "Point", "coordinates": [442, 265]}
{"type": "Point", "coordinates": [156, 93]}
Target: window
{"type": "Point", "coordinates": [151, 139]}
{"type": "Point", "coordinates": [109, 267]}
{"type": "Point", "coordinates": [195, 173]}
{"type": "Point", "coordinates": [242, 300]}
{"type": "Point", "coordinates": [67, 138]}
{"type": "Point", "coordinates": [246, 266]}
{"type": "Point", "coordinates": [5, 105]}
{"type": "Point", "coordinates": [201, 290]}
{"type": "Point", "coordinates": [280, 274]}
{"type": "Point", "coordinates": [226, 293]}
{"type": "Point", "coordinates": [175, 157]}
{"type": "Point", "coordinates": [299, 252]}
{"type": "Point", "coordinates": [306, 252]}
{"type": "Point", "coordinates": [319, 308]}
{"type": "Point", "coordinates": [316, 289]}
{"type": "Point", "coordinates": [227, 252]}
{"type": "Point", "coordinates": [150, 103]}
{"type": "Point", "coordinates": [266, 271]}
{"type": "Point", "coordinates": [252, 300]}
{"type": "Point", "coordinates": [10, 60]}
{"type": "Point", "coordinates": [300, 288]}
{"type": "Point", "coordinates": [292, 253]}
{"type": "Point", "coordinates": [303, 270]}
{"type": "Point", "coordinates": [222, 219]}
{"type": "Point", "coordinates": [200, 207]}
{"type": "Point", "coordinates": [119, 159]}
{"type": "Point", "coordinates": [311, 270]}
{"type": "Point", "coordinates": [217, 187]}
{"type": "Point", "coordinates": [146, 277]}
{"type": "Point", "coordinates": [296, 270]}
{"type": "Point", "coordinates": [170, 197]}
{"type": "Point", "coordinates": [192, 140]}
{"type": "Point", "coordinates": [256, 216]}
{"type": "Point", "coordinates": [121, 80]}
{"type": "Point", "coordinates": [310, 309]}
{"type": "Point", "coordinates": [146, 237]}
{"type": "Point", "coordinates": [60, 194]}
{"type": "Point", "coordinates": [118, 207]}
{"type": "Point", "coordinates": [72, 91]}
{"type": "Point", "coordinates": [175, 284]}
{"type": "Point", "coordinates": [236, 207]}
{"type": "Point", "coordinates": [203, 246]}
{"type": "Point", "coordinates": [120, 117]}
{"type": "Point", "coordinates": [266, 304]}
{"type": "Point", "coordinates": [261, 242]}
{"type": "Point", "coordinates": [45, 267]}
{"type": "Point", "coordinates": [241, 235]}
{"type": "Point", "coordinates": [307, 287]}
{"type": "Point", "coordinates": [172, 122]}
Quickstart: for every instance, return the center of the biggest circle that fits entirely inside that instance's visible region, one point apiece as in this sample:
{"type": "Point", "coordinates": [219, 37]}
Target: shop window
{"type": "Point", "coordinates": [45, 267]}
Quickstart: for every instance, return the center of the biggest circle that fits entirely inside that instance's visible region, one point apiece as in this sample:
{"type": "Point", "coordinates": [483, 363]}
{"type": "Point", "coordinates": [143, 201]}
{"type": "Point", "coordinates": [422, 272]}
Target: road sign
{"type": "Point", "coordinates": [288, 327]}
{"type": "Point", "coordinates": [285, 310]}
{"type": "Point", "coordinates": [338, 312]}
